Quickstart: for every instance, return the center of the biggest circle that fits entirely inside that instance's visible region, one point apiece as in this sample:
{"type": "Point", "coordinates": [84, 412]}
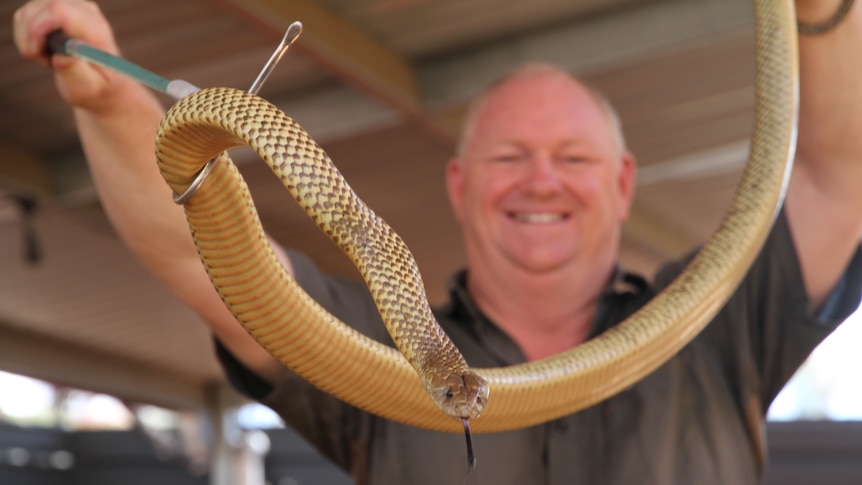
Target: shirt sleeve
{"type": "Point", "coordinates": [767, 329]}
{"type": "Point", "coordinates": [338, 430]}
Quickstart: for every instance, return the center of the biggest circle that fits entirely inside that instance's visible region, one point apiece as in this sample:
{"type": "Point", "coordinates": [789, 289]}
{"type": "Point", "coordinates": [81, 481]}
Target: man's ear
{"type": "Point", "coordinates": [455, 185]}
{"type": "Point", "coordinates": [626, 182]}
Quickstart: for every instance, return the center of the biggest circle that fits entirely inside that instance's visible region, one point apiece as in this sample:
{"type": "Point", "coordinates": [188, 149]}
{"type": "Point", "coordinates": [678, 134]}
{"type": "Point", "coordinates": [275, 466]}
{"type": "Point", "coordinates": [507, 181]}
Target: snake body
{"type": "Point", "coordinates": [378, 378]}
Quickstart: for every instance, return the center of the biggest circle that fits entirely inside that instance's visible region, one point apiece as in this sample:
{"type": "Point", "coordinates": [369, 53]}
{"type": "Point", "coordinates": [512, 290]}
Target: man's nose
{"type": "Point", "coordinates": [543, 176]}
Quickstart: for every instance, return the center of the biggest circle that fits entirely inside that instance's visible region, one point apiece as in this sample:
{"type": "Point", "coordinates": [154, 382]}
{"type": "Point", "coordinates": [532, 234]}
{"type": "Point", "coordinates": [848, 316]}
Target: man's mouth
{"type": "Point", "coordinates": [538, 217]}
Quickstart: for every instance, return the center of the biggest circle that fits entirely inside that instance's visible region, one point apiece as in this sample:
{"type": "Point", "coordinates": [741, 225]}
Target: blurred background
{"type": "Point", "coordinates": [90, 344]}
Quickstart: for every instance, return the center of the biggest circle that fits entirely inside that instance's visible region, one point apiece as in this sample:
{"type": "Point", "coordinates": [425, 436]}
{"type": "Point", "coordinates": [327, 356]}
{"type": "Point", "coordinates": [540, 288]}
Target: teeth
{"type": "Point", "coordinates": [542, 218]}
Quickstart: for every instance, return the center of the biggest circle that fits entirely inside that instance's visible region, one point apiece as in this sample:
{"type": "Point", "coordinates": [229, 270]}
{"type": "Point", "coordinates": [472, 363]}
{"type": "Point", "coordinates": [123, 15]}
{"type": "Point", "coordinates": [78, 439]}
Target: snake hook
{"type": "Point", "coordinates": [292, 33]}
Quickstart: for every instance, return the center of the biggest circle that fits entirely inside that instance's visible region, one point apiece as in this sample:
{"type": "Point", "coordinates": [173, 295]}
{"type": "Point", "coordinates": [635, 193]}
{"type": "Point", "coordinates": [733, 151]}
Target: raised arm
{"type": "Point", "coordinates": [824, 202]}
{"type": "Point", "coordinates": [117, 121]}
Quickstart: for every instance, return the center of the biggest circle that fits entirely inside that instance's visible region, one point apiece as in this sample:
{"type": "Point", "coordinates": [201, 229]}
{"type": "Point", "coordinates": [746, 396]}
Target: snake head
{"type": "Point", "coordinates": [460, 395]}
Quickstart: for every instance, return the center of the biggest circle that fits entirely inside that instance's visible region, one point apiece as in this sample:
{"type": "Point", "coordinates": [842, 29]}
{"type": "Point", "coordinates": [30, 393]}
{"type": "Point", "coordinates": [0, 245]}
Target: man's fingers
{"type": "Point", "coordinates": [32, 23]}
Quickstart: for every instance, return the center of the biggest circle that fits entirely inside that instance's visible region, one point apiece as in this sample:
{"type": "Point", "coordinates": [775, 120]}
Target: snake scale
{"type": "Point", "coordinates": [378, 378]}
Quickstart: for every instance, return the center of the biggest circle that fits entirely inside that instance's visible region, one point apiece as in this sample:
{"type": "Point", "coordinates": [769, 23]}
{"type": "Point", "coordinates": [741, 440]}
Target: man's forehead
{"type": "Point", "coordinates": [538, 94]}
{"type": "Point", "coordinates": [533, 100]}
{"type": "Point", "coordinates": [549, 92]}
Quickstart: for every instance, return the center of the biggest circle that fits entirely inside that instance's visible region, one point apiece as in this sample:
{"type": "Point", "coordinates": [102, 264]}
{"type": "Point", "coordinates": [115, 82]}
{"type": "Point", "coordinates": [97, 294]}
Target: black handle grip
{"type": "Point", "coordinates": [55, 43]}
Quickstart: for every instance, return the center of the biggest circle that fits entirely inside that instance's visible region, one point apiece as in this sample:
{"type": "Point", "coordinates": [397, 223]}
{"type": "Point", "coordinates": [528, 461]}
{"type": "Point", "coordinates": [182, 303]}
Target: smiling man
{"type": "Point", "coordinates": [541, 186]}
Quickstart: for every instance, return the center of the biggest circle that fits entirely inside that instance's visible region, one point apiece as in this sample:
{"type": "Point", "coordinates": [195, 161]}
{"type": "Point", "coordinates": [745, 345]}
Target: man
{"type": "Point", "coordinates": [541, 184]}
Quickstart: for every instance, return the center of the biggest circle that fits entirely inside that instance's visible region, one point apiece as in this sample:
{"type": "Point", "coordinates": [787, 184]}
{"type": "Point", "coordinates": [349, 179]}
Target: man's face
{"type": "Point", "coordinates": [541, 184]}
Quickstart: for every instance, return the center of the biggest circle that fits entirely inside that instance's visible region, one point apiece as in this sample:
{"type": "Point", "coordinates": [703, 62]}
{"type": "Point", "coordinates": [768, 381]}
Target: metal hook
{"type": "Point", "coordinates": [181, 199]}
{"type": "Point", "coordinates": [290, 36]}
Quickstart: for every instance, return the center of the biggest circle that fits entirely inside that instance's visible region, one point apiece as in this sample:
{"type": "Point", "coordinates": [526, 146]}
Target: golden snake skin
{"type": "Point", "coordinates": [377, 378]}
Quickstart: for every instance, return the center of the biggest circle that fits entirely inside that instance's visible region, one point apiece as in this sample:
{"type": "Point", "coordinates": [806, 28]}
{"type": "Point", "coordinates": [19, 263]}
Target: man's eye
{"type": "Point", "coordinates": [507, 158]}
{"type": "Point", "coordinates": [573, 159]}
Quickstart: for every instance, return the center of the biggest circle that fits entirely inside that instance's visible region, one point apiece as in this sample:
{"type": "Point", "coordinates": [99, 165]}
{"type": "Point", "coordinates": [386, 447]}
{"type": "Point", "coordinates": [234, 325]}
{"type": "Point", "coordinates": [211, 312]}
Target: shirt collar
{"type": "Point", "coordinates": [622, 287]}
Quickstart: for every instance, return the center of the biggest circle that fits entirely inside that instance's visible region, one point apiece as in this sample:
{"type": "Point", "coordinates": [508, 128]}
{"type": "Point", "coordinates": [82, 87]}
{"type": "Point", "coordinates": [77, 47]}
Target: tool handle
{"type": "Point", "coordinates": [55, 43]}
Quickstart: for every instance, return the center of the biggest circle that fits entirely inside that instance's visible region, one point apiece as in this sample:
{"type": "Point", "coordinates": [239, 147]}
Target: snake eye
{"type": "Point", "coordinates": [449, 394]}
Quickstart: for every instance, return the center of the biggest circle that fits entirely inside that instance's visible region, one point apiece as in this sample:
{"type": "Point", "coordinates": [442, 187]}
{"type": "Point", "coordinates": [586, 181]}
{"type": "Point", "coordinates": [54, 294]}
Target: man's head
{"type": "Point", "coordinates": [538, 69]}
{"type": "Point", "coordinates": [541, 181]}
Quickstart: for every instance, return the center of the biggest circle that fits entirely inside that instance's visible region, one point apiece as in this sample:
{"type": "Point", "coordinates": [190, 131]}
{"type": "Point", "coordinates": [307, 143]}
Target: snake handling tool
{"type": "Point", "coordinates": [58, 42]}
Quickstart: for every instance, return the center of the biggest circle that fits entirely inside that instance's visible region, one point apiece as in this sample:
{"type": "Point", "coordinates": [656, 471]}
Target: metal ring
{"type": "Point", "coordinates": [181, 199]}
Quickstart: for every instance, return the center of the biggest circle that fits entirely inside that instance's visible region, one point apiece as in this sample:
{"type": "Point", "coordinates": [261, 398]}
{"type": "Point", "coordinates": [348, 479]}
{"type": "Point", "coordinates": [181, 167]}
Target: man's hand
{"type": "Point", "coordinates": [80, 83]}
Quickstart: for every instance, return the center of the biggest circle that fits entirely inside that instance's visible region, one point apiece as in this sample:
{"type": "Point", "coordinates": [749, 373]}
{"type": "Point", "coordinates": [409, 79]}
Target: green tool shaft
{"type": "Point", "coordinates": [60, 43]}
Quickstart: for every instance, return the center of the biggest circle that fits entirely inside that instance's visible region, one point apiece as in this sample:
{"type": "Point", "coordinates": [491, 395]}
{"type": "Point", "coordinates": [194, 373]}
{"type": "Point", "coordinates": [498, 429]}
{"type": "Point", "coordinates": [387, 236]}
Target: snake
{"type": "Point", "coordinates": [396, 382]}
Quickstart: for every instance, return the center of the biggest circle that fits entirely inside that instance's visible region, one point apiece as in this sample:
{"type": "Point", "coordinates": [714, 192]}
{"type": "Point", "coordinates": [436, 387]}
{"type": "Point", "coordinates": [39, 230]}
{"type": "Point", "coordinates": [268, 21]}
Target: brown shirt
{"type": "Point", "coordinates": [698, 419]}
